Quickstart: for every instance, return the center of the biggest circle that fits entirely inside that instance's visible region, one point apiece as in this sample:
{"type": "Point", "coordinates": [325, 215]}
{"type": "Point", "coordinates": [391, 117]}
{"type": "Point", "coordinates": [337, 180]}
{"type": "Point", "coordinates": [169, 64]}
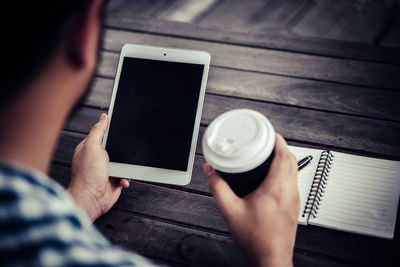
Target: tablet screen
{"type": "Point", "coordinates": [154, 113]}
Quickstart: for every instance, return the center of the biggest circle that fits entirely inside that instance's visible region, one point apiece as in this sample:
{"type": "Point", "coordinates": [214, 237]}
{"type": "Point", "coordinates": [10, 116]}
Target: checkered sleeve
{"type": "Point", "coordinates": [41, 226]}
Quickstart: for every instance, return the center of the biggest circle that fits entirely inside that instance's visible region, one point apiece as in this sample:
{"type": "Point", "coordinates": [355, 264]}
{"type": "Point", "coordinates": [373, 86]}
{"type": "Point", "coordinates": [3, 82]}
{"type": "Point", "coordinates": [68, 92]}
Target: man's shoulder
{"type": "Point", "coordinates": [24, 181]}
{"type": "Point", "coordinates": [41, 225]}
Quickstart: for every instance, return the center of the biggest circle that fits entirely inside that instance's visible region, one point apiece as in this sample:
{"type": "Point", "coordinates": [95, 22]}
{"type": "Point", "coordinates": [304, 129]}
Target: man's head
{"type": "Point", "coordinates": [49, 52]}
{"type": "Point", "coordinates": [36, 32]}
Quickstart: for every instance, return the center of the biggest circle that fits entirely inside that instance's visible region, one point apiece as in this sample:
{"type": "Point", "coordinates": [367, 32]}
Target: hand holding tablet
{"type": "Point", "coordinates": [155, 113]}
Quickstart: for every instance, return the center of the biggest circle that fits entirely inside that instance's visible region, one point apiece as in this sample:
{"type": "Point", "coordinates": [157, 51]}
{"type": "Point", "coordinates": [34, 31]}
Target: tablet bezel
{"type": "Point", "coordinates": [153, 174]}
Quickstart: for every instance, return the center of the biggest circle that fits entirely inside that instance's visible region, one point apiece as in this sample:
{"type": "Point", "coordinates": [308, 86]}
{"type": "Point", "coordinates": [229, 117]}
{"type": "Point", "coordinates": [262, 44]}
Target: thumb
{"type": "Point", "coordinates": [225, 198]}
{"type": "Point", "coordinates": [116, 191]}
{"type": "Point", "coordinates": [97, 132]}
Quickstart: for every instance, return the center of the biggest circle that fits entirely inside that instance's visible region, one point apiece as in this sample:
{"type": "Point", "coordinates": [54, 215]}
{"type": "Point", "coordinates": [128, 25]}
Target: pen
{"type": "Point", "coordinates": [304, 162]}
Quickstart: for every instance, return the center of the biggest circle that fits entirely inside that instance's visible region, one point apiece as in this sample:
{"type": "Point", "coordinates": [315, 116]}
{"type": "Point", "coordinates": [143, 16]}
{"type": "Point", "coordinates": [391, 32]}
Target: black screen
{"type": "Point", "coordinates": [154, 113]}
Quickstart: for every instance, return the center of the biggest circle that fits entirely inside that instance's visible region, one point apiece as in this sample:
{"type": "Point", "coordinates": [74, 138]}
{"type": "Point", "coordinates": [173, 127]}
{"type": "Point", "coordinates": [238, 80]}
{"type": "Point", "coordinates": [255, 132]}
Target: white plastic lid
{"type": "Point", "coordinates": [238, 141]}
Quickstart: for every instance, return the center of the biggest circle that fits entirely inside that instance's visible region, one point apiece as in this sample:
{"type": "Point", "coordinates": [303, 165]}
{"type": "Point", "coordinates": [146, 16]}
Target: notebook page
{"type": "Point", "coordinates": [305, 176]}
{"type": "Point", "coordinates": [361, 196]}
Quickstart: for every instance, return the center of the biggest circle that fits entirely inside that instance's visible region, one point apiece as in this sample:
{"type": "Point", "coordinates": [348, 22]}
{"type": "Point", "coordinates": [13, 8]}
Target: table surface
{"type": "Point", "coordinates": [327, 75]}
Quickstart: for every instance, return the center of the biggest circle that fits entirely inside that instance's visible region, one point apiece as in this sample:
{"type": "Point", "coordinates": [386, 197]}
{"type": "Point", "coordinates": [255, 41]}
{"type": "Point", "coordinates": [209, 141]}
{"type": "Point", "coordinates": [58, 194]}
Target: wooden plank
{"type": "Point", "coordinates": [354, 100]}
{"type": "Point", "coordinates": [171, 242]}
{"type": "Point", "coordinates": [393, 36]}
{"type": "Point", "coordinates": [186, 10]}
{"type": "Point", "coordinates": [83, 119]}
{"type": "Point", "coordinates": [306, 93]}
{"type": "Point", "coordinates": [167, 241]}
{"type": "Point", "coordinates": [278, 14]}
{"type": "Point", "coordinates": [69, 140]}
{"type": "Point", "coordinates": [231, 14]}
{"type": "Point", "coordinates": [302, 125]}
{"type": "Point", "coordinates": [195, 210]}
{"type": "Point", "coordinates": [164, 241]}
{"type": "Point", "coordinates": [317, 127]}
{"type": "Point", "coordinates": [185, 245]}
{"type": "Point", "coordinates": [100, 92]}
{"type": "Point", "coordinates": [278, 40]}
{"type": "Point", "coordinates": [60, 174]}
{"type": "Point", "coordinates": [138, 8]}
{"type": "Point", "coordinates": [367, 23]}
{"type": "Point", "coordinates": [255, 16]}
{"type": "Point", "coordinates": [346, 20]}
{"type": "Point", "coordinates": [271, 61]}
{"type": "Point", "coordinates": [66, 144]}
{"type": "Point", "coordinates": [175, 243]}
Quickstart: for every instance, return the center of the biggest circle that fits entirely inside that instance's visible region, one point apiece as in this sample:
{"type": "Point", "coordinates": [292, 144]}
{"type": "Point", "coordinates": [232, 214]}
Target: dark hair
{"type": "Point", "coordinates": [31, 33]}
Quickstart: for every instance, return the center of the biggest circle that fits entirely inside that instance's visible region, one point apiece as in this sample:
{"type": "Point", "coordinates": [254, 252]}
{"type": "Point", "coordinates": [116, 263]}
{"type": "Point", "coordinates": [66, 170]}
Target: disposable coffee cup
{"type": "Point", "coordinates": [239, 145]}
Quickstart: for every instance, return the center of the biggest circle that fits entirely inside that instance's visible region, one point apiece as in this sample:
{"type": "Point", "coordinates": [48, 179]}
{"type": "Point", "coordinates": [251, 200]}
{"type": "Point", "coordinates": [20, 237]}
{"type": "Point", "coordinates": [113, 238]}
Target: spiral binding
{"type": "Point", "coordinates": [319, 184]}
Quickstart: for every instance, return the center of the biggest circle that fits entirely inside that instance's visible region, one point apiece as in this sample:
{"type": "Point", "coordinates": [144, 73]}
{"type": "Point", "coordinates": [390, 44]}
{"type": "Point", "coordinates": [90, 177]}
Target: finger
{"type": "Point", "coordinates": [225, 198]}
{"type": "Point", "coordinates": [124, 183]}
{"type": "Point", "coordinates": [98, 130]}
{"type": "Point", "coordinates": [116, 192]}
{"type": "Point", "coordinates": [79, 146]}
{"type": "Point", "coordinates": [280, 150]}
{"type": "Point", "coordinates": [281, 166]}
{"type": "Point", "coordinates": [280, 144]}
{"type": "Point", "coordinates": [84, 140]}
{"type": "Point", "coordinates": [288, 156]}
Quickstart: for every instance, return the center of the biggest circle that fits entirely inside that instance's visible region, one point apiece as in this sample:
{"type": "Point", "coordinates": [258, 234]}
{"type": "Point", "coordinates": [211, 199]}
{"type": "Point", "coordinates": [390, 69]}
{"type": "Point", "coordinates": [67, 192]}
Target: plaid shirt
{"type": "Point", "coordinates": [41, 226]}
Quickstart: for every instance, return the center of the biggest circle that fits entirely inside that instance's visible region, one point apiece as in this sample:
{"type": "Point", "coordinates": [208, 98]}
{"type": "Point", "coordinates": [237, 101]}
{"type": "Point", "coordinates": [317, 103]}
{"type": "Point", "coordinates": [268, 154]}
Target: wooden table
{"type": "Point", "coordinates": [317, 92]}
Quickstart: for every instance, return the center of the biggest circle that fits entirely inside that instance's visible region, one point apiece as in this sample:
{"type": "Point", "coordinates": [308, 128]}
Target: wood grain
{"type": "Point", "coordinates": [184, 245]}
{"type": "Point", "coordinates": [232, 14]}
{"type": "Point", "coordinates": [278, 14]}
{"type": "Point", "coordinates": [176, 244]}
{"type": "Point", "coordinates": [256, 16]}
{"type": "Point", "coordinates": [69, 140]}
{"type": "Point", "coordinates": [306, 93]}
{"type": "Point", "coordinates": [143, 9]}
{"type": "Point", "coordinates": [171, 242]}
{"type": "Point", "coordinates": [355, 21]}
{"type": "Point", "coordinates": [99, 95]}
{"type": "Point", "coordinates": [186, 10]}
{"type": "Point", "coordinates": [302, 125]}
{"type": "Point", "coordinates": [198, 211]}
{"type": "Point", "coordinates": [271, 61]}
{"type": "Point", "coordinates": [392, 39]}
{"type": "Point", "coordinates": [272, 39]}
{"type": "Point", "coordinates": [367, 22]}
{"type": "Point", "coordinates": [316, 126]}
{"type": "Point", "coordinates": [354, 100]}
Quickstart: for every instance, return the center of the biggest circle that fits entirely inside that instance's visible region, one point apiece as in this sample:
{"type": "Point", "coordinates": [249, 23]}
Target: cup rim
{"type": "Point", "coordinates": [220, 164]}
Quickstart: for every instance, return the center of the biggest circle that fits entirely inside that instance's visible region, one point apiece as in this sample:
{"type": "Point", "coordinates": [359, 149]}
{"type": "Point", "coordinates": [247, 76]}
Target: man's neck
{"type": "Point", "coordinates": [31, 125]}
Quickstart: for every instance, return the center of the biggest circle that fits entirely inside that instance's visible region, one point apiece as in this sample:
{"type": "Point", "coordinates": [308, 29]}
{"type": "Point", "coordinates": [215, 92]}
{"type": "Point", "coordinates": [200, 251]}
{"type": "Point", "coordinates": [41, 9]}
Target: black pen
{"type": "Point", "coordinates": [304, 162]}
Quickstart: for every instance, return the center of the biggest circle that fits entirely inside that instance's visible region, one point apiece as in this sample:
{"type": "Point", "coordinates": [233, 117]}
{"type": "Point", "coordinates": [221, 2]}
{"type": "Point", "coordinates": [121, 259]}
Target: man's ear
{"type": "Point", "coordinates": [82, 35]}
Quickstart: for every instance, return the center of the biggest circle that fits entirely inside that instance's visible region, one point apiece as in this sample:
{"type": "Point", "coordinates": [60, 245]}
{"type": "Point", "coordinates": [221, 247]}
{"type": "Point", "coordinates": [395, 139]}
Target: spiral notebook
{"type": "Point", "coordinates": [349, 193]}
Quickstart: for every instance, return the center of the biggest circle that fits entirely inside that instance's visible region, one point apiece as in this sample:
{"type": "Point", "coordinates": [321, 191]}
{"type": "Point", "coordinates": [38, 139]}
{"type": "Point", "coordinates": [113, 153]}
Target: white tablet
{"type": "Point", "coordinates": [155, 113]}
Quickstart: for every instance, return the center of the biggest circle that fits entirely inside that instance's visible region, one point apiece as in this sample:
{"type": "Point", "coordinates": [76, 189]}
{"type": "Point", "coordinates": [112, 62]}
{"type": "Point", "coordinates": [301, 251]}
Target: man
{"type": "Point", "coordinates": [47, 66]}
